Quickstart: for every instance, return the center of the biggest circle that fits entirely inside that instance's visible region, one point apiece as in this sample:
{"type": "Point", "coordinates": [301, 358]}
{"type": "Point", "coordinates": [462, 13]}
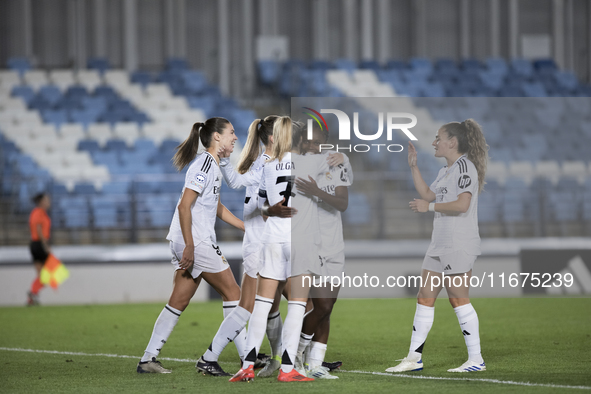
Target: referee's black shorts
{"type": "Point", "coordinates": [38, 251]}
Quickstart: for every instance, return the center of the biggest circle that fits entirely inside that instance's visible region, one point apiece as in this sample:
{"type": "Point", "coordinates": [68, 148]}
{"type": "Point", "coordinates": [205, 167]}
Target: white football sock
{"type": "Point", "coordinates": [291, 333]}
{"type": "Point", "coordinates": [274, 328]}
{"type": "Point", "coordinates": [316, 354]}
{"type": "Point", "coordinates": [162, 329]}
{"type": "Point", "coordinates": [230, 330]}
{"type": "Point", "coordinates": [256, 329]}
{"type": "Point", "coordinates": [240, 339]}
{"type": "Point", "coordinates": [421, 326]}
{"type": "Point", "coordinates": [468, 319]}
{"type": "Point", "coordinates": [304, 343]}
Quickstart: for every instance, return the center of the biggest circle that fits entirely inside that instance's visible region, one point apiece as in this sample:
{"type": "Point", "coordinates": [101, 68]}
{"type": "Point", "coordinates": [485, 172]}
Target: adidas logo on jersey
{"type": "Point", "coordinates": [447, 267]}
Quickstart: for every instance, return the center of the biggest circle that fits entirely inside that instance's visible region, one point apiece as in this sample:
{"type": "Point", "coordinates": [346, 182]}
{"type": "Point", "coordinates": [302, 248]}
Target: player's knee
{"type": "Point", "coordinates": [323, 307]}
{"type": "Point", "coordinates": [425, 301]}
{"type": "Point", "coordinates": [457, 302]}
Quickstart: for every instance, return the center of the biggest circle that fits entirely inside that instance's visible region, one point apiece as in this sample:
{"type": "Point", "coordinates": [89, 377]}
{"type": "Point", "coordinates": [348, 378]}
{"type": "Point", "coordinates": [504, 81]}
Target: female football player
{"type": "Point", "coordinates": [455, 242]}
{"type": "Point", "coordinates": [249, 174]}
{"type": "Point", "coordinates": [195, 254]}
{"type": "Point", "coordinates": [290, 249]}
{"type": "Point", "coordinates": [333, 198]}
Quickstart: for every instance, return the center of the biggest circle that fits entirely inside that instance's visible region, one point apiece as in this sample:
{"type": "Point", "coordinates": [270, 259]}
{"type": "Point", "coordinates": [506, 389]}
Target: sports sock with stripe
{"type": "Point", "coordinates": [274, 328]}
{"type": "Point", "coordinates": [231, 329]}
{"type": "Point", "coordinates": [421, 326]}
{"type": "Point", "coordinates": [240, 340]}
{"type": "Point", "coordinates": [162, 329]}
{"type": "Point", "coordinates": [468, 319]}
{"type": "Point", "coordinates": [305, 340]}
{"type": "Point", "coordinates": [316, 354]}
{"type": "Point", "coordinates": [292, 328]}
{"type": "Point", "coordinates": [256, 329]}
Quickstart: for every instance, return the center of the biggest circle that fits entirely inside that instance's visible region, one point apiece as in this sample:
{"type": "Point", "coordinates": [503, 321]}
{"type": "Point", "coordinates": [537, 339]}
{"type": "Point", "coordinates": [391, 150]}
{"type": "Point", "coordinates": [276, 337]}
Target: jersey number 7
{"type": "Point", "coordinates": [287, 193]}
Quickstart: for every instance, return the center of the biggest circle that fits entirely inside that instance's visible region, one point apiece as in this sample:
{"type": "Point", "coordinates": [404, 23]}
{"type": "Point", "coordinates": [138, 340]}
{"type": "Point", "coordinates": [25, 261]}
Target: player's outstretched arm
{"type": "Point", "coordinates": [236, 180]}
{"type": "Point", "coordinates": [224, 214]}
{"type": "Point", "coordinates": [420, 184]}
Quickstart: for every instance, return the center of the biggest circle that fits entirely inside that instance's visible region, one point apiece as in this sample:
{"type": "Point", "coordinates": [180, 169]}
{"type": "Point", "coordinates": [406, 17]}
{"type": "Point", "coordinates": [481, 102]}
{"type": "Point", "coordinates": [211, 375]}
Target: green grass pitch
{"type": "Point", "coordinates": [541, 341]}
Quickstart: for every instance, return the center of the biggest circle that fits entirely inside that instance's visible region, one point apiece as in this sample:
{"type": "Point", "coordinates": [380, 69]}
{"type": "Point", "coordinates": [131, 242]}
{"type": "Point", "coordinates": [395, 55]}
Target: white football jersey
{"type": "Point", "coordinates": [278, 182]}
{"type": "Point", "coordinates": [452, 233]}
{"type": "Point", "coordinates": [204, 177]}
{"type": "Point", "coordinates": [254, 224]}
{"type": "Point", "coordinates": [329, 218]}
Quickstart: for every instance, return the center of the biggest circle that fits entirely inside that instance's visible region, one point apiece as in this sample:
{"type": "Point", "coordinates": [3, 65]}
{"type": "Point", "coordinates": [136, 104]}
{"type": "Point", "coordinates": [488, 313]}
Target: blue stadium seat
{"type": "Point", "coordinates": [497, 66]}
{"type": "Point", "coordinates": [141, 77]}
{"type": "Point", "coordinates": [394, 64]}
{"type": "Point", "coordinates": [116, 187]}
{"type": "Point", "coordinates": [104, 211]}
{"type": "Point", "coordinates": [56, 117]}
{"type": "Point", "coordinates": [421, 66]}
{"type": "Point", "coordinates": [177, 63]}
{"type": "Point", "coordinates": [75, 211]}
{"type": "Point", "coordinates": [115, 145]}
{"type": "Point", "coordinates": [522, 67]}
{"type": "Point", "coordinates": [50, 93]}
{"type": "Point", "coordinates": [85, 117]}
{"type": "Point", "coordinates": [100, 64]}
{"type": "Point", "coordinates": [24, 92]}
{"type": "Point", "coordinates": [84, 189]}
{"type": "Point", "coordinates": [345, 64]}
{"type": "Point", "coordinates": [362, 213]}
{"type": "Point", "coordinates": [90, 146]}
{"type": "Point", "coordinates": [488, 208]}
{"type": "Point", "coordinates": [20, 64]}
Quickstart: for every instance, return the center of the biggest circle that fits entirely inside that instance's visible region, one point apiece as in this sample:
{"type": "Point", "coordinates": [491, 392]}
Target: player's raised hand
{"type": "Point", "coordinates": [282, 211]}
{"type": "Point", "coordinates": [335, 159]}
{"type": "Point", "coordinates": [223, 152]}
{"type": "Point", "coordinates": [419, 206]}
{"type": "Point", "coordinates": [412, 155]}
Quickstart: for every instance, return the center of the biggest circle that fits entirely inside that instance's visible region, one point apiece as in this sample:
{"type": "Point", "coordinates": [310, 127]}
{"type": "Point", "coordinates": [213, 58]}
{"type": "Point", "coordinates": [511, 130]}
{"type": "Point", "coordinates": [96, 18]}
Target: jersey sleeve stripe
{"type": "Point", "coordinates": [205, 163]}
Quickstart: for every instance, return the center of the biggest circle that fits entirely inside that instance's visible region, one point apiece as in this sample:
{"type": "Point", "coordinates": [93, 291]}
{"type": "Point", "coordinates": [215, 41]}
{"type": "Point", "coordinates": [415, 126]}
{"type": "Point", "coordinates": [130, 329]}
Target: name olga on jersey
{"type": "Point", "coordinates": [391, 120]}
{"type": "Point", "coordinates": [288, 165]}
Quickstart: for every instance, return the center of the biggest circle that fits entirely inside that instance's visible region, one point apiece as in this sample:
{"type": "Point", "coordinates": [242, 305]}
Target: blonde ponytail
{"type": "Point", "coordinates": [258, 133]}
{"type": "Point", "coordinates": [281, 138]}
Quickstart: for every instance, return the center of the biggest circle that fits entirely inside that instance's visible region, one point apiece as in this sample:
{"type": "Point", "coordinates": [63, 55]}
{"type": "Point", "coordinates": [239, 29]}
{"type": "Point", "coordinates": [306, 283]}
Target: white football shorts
{"type": "Point", "coordinates": [208, 258]}
{"type": "Point", "coordinates": [458, 262]}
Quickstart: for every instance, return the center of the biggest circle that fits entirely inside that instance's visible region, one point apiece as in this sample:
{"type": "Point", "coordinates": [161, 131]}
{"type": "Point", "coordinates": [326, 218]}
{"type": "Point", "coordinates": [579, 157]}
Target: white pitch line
{"type": "Point", "coordinates": [187, 360]}
{"type": "Point", "coordinates": [471, 380]}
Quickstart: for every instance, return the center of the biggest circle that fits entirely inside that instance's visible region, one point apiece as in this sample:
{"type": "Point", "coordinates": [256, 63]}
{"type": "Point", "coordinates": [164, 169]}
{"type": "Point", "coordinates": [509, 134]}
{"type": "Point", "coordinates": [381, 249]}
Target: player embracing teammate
{"type": "Point", "coordinates": [290, 246]}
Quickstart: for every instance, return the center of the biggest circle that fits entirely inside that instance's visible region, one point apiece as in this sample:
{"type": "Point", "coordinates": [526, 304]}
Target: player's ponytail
{"type": "Point", "coordinates": [471, 141]}
{"type": "Point", "coordinates": [281, 137]}
{"type": "Point", "coordinates": [187, 150]}
{"type": "Point", "coordinates": [477, 149]}
{"type": "Point", "coordinates": [258, 132]}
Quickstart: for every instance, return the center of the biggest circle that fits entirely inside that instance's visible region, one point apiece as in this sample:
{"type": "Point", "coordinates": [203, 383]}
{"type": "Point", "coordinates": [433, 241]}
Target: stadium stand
{"type": "Point", "coordinates": [101, 139]}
